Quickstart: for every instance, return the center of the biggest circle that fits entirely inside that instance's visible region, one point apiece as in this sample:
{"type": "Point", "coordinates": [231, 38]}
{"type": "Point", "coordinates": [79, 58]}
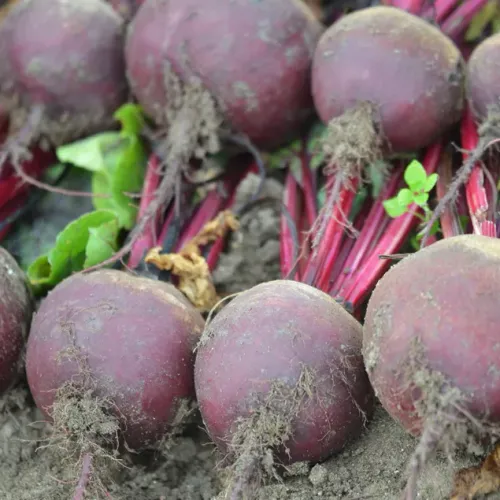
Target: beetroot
{"type": "Point", "coordinates": [483, 78]}
{"type": "Point", "coordinates": [279, 370]}
{"type": "Point", "coordinates": [16, 308]}
{"type": "Point", "coordinates": [66, 79]}
{"type": "Point", "coordinates": [126, 341]}
{"type": "Point", "coordinates": [431, 342]}
{"type": "Point", "coordinates": [411, 74]}
{"type": "Point", "coordinates": [253, 58]}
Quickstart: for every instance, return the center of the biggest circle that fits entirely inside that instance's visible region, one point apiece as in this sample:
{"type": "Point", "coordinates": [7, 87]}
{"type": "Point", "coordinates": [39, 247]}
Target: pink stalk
{"type": "Point", "coordinates": [398, 230]}
{"type": "Point", "coordinates": [349, 242]}
{"type": "Point", "coordinates": [477, 199]}
{"type": "Point", "coordinates": [321, 261]}
{"type": "Point", "coordinates": [309, 191]}
{"type": "Point", "coordinates": [335, 234]}
{"type": "Point", "coordinates": [412, 6]}
{"type": "Point", "coordinates": [11, 185]}
{"type": "Point", "coordinates": [207, 210]}
{"type": "Point", "coordinates": [147, 239]}
{"type": "Point", "coordinates": [376, 219]}
{"type": "Point", "coordinates": [450, 224]}
{"type": "Point", "coordinates": [440, 10]}
{"type": "Point", "coordinates": [457, 23]}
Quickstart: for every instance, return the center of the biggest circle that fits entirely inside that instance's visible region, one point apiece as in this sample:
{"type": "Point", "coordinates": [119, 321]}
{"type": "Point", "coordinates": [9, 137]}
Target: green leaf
{"type": "Point", "coordinates": [430, 182]}
{"type": "Point", "coordinates": [317, 160]}
{"type": "Point", "coordinates": [102, 243]}
{"type": "Point", "coordinates": [463, 221]}
{"type": "Point", "coordinates": [421, 199]}
{"type": "Point", "coordinates": [131, 119]}
{"type": "Point", "coordinates": [316, 135]}
{"type": "Point", "coordinates": [69, 254]}
{"type": "Point", "coordinates": [393, 208]}
{"type": "Point", "coordinates": [405, 197]}
{"type": "Point", "coordinates": [415, 175]}
{"type": "Point", "coordinates": [128, 177]}
{"type": "Point", "coordinates": [481, 20]}
{"type": "Point", "coordinates": [117, 160]}
{"type": "Point", "coordinates": [282, 157]}
{"type": "Point", "coordinates": [88, 153]}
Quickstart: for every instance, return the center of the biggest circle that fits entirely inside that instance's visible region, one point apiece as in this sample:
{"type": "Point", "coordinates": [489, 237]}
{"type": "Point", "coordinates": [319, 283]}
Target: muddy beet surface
{"type": "Point", "coordinates": [371, 468]}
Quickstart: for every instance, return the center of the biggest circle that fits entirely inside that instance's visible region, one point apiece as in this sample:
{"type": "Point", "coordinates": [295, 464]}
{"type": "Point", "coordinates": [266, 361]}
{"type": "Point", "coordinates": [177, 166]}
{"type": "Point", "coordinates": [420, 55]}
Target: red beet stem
{"type": "Point", "coordinates": [412, 6]}
{"type": "Point", "coordinates": [207, 210]}
{"type": "Point", "coordinates": [336, 234]}
{"type": "Point", "coordinates": [477, 199]}
{"type": "Point", "coordinates": [147, 239]}
{"type": "Point", "coordinates": [10, 183]}
{"type": "Point", "coordinates": [440, 10]}
{"type": "Point", "coordinates": [394, 237]}
{"type": "Point", "coordinates": [450, 223]}
{"type": "Point", "coordinates": [457, 23]}
{"type": "Point", "coordinates": [377, 219]}
{"type": "Point", "coordinates": [346, 252]}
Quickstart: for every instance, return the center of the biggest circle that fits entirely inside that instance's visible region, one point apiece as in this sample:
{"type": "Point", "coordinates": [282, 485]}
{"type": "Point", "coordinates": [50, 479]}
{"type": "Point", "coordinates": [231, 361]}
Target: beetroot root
{"type": "Point", "coordinates": [254, 58]}
{"type": "Point", "coordinates": [126, 339]}
{"type": "Point", "coordinates": [16, 309]}
{"type": "Point", "coordinates": [409, 71]}
{"type": "Point", "coordinates": [279, 370]}
{"type": "Point", "coordinates": [431, 341]}
{"type": "Point", "coordinates": [63, 65]}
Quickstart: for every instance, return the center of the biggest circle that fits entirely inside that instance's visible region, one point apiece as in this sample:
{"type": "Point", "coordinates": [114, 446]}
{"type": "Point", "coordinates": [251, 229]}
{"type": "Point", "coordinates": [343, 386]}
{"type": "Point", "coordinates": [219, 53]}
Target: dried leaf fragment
{"type": "Point", "coordinates": [195, 279]}
{"type": "Point", "coordinates": [483, 479]}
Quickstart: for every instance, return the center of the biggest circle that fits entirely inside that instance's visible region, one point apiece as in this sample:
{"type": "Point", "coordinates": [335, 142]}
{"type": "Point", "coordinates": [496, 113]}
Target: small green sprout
{"type": "Point", "coordinates": [419, 186]}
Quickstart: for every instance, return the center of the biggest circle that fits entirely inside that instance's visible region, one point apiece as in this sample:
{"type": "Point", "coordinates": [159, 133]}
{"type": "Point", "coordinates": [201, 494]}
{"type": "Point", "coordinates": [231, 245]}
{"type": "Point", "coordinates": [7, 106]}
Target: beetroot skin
{"type": "Point", "coordinates": [409, 70]}
{"type": "Point", "coordinates": [132, 336]}
{"type": "Point", "coordinates": [483, 77]}
{"type": "Point", "coordinates": [445, 297]}
{"type": "Point", "coordinates": [253, 57]}
{"type": "Point", "coordinates": [67, 59]}
{"type": "Point", "coordinates": [283, 358]}
{"type": "Point", "coordinates": [15, 317]}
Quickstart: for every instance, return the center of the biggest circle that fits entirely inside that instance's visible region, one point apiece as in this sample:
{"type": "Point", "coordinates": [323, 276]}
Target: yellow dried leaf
{"type": "Point", "coordinates": [195, 279]}
{"type": "Point", "coordinates": [479, 480]}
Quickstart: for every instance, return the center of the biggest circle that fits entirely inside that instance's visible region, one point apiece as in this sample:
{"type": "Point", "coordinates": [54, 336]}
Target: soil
{"type": "Point", "coordinates": [373, 467]}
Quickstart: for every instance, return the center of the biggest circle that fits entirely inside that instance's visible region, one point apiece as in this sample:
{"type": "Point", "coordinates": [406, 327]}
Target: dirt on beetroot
{"type": "Point", "coordinates": [373, 467]}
